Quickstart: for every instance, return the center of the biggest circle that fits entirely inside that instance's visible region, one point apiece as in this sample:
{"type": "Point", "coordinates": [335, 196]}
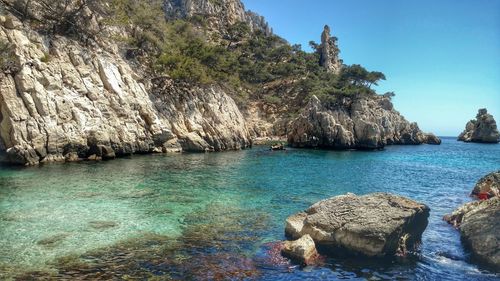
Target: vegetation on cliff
{"type": "Point", "coordinates": [187, 50]}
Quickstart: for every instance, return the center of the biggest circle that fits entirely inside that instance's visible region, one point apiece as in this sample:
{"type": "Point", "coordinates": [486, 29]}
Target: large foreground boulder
{"type": "Point", "coordinates": [479, 227]}
{"type": "Point", "coordinates": [378, 224]}
{"type": "Point", "coordinates": [483, 129]}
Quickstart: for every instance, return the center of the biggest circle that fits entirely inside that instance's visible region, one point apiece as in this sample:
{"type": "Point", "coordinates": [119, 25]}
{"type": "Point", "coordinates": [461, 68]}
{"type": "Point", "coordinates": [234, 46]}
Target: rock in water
{"type": "Point", "coordinates": [483, 129]}
{"type": "Point", "coordinates": [488, 186]}
{"type": "Point", "coordinates": [377, 224]}
{"type": "Point", "coordinates": [354, 123]}
{"type": "Point", "coordinates": [302, 250]}
{"type": "Point", "coordinates": [432, 139]}
{"type": "Point", "coordinates": [479, 227]}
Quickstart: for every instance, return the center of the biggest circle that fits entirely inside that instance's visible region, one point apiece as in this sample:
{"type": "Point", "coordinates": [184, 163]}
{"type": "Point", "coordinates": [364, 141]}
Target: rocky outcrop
{"type": "Point", "coordinates": [354, 123]}
{"type": "Point", "coordinates": [219, 14]}
{"type": "Point", "coordinates": [378, 224]}
{"type": "Point", "coordinates": [302, 250]}
{"type": "Point", "coordinates": [480, 230]}
{"type": "Point", "coordinates": [67, 101]}
{"type": "Point", "coordinates": [483, 129]}
{"type": "Point", "coordinates": [488, 186]}
{"type": "Point", "coordinates": [203, 119]}
{"type": "Point", "coordinates": [329, 52]}
{"type": "Point", "coordinates": [430, 138]}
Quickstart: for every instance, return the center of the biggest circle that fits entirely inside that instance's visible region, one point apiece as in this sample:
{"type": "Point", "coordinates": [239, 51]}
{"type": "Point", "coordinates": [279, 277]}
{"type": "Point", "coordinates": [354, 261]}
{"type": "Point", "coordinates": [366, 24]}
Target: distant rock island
{"type": "Point", "coordinates": [483, 129]}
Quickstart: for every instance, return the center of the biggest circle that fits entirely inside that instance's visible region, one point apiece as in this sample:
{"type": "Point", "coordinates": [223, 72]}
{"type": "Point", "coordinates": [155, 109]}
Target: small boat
{"type": "Point", "coordinates": [279, 146]}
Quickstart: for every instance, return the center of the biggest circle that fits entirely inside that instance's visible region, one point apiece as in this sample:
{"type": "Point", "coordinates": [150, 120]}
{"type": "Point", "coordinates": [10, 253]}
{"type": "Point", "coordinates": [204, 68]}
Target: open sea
{"type": "Point", "coordinates": [217, 216]}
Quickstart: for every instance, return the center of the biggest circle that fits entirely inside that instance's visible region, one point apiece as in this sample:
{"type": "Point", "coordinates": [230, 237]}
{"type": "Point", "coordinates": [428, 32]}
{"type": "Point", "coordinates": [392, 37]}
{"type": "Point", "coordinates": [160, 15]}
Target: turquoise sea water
{"type": "Point", "coordinates": [214, 216]}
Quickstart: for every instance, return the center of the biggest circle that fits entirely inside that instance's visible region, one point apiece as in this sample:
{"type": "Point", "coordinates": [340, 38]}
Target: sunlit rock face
{"type": "Point", "coordinates": [378, 224]}
{"type": "Point", "coordinates": [63, 100]}
{"type": "Point", "coordinates": [354, 123]}
{"type": "Point", "coordinates": [480, 232]}
{"type": "Point", "coordinates": [329, 52]}
{"type": "Point", "coordinates": [482, 129]}
{"type": "Point", "coordinates": [477, 221]}
{"type": "Point", "coordinates": [218, 13]}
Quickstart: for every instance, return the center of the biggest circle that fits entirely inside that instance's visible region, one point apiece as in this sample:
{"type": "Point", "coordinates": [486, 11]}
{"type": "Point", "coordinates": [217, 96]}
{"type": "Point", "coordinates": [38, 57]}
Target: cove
{"type": "Point", "coordinates": [214, 216]}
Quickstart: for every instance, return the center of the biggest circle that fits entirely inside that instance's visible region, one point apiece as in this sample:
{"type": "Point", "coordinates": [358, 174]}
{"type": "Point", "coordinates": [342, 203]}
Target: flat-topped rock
{"type": "Point", "coordinates": [377, 224]}
{"type": "Point", "coordinates": [482, 129]}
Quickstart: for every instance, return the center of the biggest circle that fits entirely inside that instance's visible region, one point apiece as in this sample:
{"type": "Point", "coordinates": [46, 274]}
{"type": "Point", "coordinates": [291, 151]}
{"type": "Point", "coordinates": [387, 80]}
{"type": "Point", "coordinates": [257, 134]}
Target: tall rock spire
{"type": "Point", "coordinates": [329, 52]}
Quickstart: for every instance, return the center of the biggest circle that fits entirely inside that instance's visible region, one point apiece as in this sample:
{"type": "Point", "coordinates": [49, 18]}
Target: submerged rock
{"type": "Point", "coordinates": [479, 229]}
{"type": "Point", "coordinates": [482, 129]}
{"type": "Point", "coordinates": [101, 225]}
{"type": "Point", "coordinates": [377, 224]}
{"type": "Point", "coordinates": [488, 186]}
{"type": "Point", "coordinates": [52, 240]}
{"type": "Point", "coordinates": [302, 250]}
{"type": "Point", "coordinates": [354, 123]}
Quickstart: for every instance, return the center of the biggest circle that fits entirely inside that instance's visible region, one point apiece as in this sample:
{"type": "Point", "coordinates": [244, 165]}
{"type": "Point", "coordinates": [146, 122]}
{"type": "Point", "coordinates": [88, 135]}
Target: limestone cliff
{"type": "Point", "coordinates": [329, 52]}
{"type": "Point", "coordinates": [482, 129]}
{"type": "Point", "coordinates": [64, 101]}
{"type": "Point", "coordinates": [218, 13]}
{"type": "Point", "coordinates": [70, 92]}
{"type": "Point", "coordinates": [354, 123]}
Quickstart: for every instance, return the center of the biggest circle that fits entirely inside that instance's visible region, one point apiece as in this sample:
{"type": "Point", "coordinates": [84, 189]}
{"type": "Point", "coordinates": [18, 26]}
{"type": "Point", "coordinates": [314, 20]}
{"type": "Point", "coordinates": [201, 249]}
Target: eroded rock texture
{"type": "Point", "coordinates": [355, 123]}
{"type": "Point", "coordinates": [376, 224]}
{"type": "Point", "coordinates": [482, 129]}
{"type": "Point", "coordinates": [480, 230]}
{"type": "Point", "coordinates": [65, 101]}
{"type": "Point", "coordinates": [488, 186]}
{"type": "Point", "coordinates": [220, 14]}
{"type": "Point", "coordinates": [302, 250]}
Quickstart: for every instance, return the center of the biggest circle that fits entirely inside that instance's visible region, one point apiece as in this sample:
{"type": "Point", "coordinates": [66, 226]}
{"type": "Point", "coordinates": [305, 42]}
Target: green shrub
{"type": "Point", "coordinates": [185, 50]}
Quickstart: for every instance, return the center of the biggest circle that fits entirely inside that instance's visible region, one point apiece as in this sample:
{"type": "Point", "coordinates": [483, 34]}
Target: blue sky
{"type": "Point", "coordinates": [440, 57]}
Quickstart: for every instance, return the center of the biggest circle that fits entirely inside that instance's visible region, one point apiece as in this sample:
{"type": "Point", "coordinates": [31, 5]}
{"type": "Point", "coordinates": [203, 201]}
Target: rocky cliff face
{"type": "Point", "coordinates": [70, 95]}
{"type": "Point", "coordinates": [354, 123]}
{"type": "Point", "coordinates": [65, 101]}
{"type": "Point", "coordinates": [483, 129]}
{"type": "Point", "coordinates": [219, 13]}
{"type": "Point", "coordinates": [329, 52]}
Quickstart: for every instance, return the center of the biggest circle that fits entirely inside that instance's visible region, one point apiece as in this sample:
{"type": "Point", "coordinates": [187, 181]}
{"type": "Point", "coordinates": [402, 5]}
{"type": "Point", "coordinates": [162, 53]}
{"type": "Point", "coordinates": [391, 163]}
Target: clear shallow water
{"type": "Point", "coordinates": [213, 216]}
